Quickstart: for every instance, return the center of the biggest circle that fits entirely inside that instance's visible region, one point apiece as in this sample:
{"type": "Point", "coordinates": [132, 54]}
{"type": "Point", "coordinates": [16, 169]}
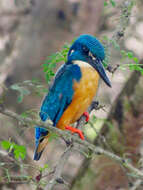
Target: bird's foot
{"type": "Point", "coordinates": [74, 130]}
{"type": "Point", "coordinates": [86, 114]}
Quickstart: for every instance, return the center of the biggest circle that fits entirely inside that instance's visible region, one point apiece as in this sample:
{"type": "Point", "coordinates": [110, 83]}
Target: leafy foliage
{"type": "Point", "coordinates": [19, 151]}
{"type": "Point", "coordinates": [110, 2]}
{"type": "Point", "coordinates": [51, 61]}
{"type": "Point", "coordinates": [127, 56]}
{"type": "Point", "coordinates": [61, 56]}
{"type": "Point", "coordinates": [27, 87]}
{"type": "Point", "coordinates": [42, 169]}
{"type": "Point", "coordinates": [106, 41]}
{"type": "Point", "coordinates": [134, 61]}
{"type": "Point", "coordinates": [21, 90]}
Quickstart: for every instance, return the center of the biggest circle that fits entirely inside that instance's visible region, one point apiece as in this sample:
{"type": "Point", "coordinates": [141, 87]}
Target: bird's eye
{"type": "Point", "coordinates": [85, 49]}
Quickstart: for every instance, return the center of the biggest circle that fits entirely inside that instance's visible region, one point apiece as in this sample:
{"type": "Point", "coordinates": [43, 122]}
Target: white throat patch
{"type": "Point", "coordinates": [82, 64]}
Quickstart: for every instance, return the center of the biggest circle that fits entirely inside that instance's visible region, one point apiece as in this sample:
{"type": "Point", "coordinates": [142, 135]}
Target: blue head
{"type": "Point", "coordinates": [88, 49]}
{"type": "Point", "coordinates": [84, 45]}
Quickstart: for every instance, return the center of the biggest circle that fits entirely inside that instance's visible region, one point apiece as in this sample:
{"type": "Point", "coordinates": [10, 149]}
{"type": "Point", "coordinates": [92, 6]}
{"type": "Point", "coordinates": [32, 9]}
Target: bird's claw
{"type": "Point", "coordinates": [74, 130]}
{"type": "Point", "coordinates": [86, 114]}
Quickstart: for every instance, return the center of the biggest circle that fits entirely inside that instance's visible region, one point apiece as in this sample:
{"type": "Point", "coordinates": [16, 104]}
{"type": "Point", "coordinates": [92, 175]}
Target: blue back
{"type": "Point", "coordinates": [59, 96]}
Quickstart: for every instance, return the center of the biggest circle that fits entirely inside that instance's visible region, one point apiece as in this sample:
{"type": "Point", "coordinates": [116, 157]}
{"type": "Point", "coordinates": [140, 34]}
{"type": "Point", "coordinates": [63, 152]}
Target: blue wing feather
{"type": "Point", "coordinates": [59, 96]}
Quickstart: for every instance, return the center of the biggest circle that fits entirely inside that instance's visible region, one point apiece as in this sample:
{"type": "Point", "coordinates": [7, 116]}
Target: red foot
{"type": "Point", "coordinates": [74, 130]}
{"type": "Point", "coordinates": [86, 114]}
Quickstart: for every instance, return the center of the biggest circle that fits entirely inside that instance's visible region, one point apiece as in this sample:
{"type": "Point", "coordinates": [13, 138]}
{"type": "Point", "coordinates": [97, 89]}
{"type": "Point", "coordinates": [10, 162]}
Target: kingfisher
{"type": "Point", "coordinates": [73, 89]}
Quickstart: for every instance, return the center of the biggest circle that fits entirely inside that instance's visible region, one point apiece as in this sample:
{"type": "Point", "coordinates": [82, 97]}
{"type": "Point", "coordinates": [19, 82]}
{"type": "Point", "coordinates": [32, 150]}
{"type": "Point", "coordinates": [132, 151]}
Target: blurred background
{"type": "Point", "coordinates": [32, 30]}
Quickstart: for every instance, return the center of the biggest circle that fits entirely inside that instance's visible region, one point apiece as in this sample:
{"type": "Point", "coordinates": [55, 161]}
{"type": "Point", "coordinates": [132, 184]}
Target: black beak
{"type": "Point", "coordinates": [97, 64]}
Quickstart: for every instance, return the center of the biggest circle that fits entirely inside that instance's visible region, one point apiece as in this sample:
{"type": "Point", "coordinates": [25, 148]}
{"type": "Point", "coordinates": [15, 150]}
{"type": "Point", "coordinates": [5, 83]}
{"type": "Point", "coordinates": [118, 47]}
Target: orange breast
{"type": "Point", "coordinates": [84, 92]}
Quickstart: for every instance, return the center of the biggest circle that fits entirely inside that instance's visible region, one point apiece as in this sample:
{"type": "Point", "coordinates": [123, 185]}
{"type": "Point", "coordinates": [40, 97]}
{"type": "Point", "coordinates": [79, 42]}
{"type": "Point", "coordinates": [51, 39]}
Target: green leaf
{"type": "Point", "coordinates": [42, 169]}
{"type": "Point", "coordinates": [48, 70]}
{"type": "Point", "coordinates": [6, 145]}
{"type": "Point", "coordinates": [123, 53]}
{"type": "Point", "coordinates": [20, 98]}
{"type": "Point", "coordinates": [105, 38]}
{"type": "Point", "coordinates": [19, 151]}
{"type": "Point", "coordinates": [21, 90]}
{"type": "Point", "coordinates": [24, 114]}
{"type": "Point", "coordinates": [136, 60]}
{"type": "Point", "coordinates": [130, 55]}
{"type": "Point", "coordinates": [45, 67]}
{"type": "Point", "coordinates": [132, 175]}
{"type": "Point", "coordinates": [130, 6]}
{"type": "Point", "coordinates": [50, 63]}
{"type": "Point", "coordinates": [14, 87]}
{"type": "Point", "coordinates": [136, 67]}
{"type": "Point", "coordinates": [113, 3]}
{"type": "Point", "coordinates": [105, 63]}
{"type": "Point", "coordinates": [115, 44]}
{"type": "Point", "coordinates": [105, 3]}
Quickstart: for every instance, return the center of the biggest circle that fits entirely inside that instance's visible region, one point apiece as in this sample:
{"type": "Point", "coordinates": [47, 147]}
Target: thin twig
{"type": "Point", "coordinates": [63, 159]}
{"type": "Point", "coordinates": [95, 149]}
{"type": "Point", "coordinates": [119, 31]}
{"type": "Point", "coordinates": [138, 182]}
{"type": "Point", "coordinates": [59, 168]}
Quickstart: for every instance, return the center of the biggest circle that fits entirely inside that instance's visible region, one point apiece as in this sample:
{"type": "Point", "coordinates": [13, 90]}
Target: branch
{"type": "Point", "coordinates": [124, 20]}
{"type": "Point", "coordinates": [59, 168]}
{"type": "Point", "coordinates": [138, 182]}
{"type": "Point", "coordinates": [17, 12]}
{"type": "Point", "coordinates": [63, 159]}
{"type": "Point", "coordinates": [120, 30]}
{"type": "Point", "coordinates": [28, 122]}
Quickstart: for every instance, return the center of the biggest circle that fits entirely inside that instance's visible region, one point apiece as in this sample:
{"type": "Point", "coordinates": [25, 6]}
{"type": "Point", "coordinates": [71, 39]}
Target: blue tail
{"type": "Point", "coordinates": [40, 133]}
{"type": "Point", "coordinates": [37, 155]}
